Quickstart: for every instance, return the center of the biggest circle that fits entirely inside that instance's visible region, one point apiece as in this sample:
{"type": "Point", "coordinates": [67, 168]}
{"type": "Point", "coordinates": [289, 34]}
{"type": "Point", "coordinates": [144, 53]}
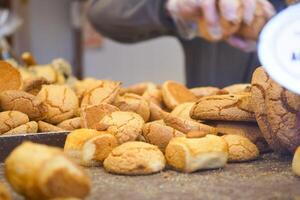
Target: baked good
{"type": "Point", "coordinates": [75, 141]}
{"type": "Point", "coordinates": [156, 112]}
{"type": "Point", "coordinates": [33, 85]}
{"type": "Point", "coordinates": [24, 102]}
{"type": "Point", "coordinates": [41, 172]}
{"type": "Point", "coordinates": [175, 93]}
{"type": "Point", "coordinates": [240, 148]}
{"type": "Point", "coordinates": [196, 134]}
{"type": "Point", "coordinates": [4, 193]}
{"type": "Point", "coordinates": [296, 162]}
{"type": "Point", "coordinates": [45, 71]}
{"type": "Point", "coordinates": [158, 134]}
{"type": "Point", "coordinates": [249, 130]}
{"type": "Point", "coordinates": [96, 149]}
{"type": "Point", "coordinates": [183, 110]}
{"type": "Point", "coordinates": [29, 127]}
{"type": "Point", "coordinates": [91, 115]}
{"type": "Point", "coordinates": [70, 124]}
{"type": "Point", "coordinates": [200, 92]}
{"type": "Point", "coordinates": [28, 59]}
{"type": "Point", "coordinates": [134, 103]}
{"type": "Point", "coordinates": [46, 127]}
{"type": "Point", "coordinates": [106, 92]}
{"type": "Point", "coordinates": [186, 125]}
{"type": "Point", "coordinates": [238, 88]}
{"type": "Point", "coordinates": [126, 126]}
{"type": "Point", "coordinates": [231, 107]}
{"type": "Point", "coordinates": [61, 102]}
{"type": "Point", "coordinates": [135, 158]}
{"type": "Point", "coordinates": [189, 155]}
{"type": "Point", "coordinates": [83, 86]}
{"type": "Point", "coordinates": [138, 88]}
{"type": "Point", "coordinates": [260, 83]}
{"type": "Point", "coordinates": [11, 119]}
{"type": "Point", "coordinates": [10, 77]}
{"type": "Point", "coordinates": [153, 94]}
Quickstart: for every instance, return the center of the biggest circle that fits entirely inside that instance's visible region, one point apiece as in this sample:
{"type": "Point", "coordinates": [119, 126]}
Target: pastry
{"type": "Point", "coordinates": [138, 88]}
{"type": "Point", "coordinates": [34, 85]}
{"type": "Point", "coordinates": [200, 92]}
{"type": "Point", "coordinates": [156, 112]}
{"type": "Point", "coordinates": [175, 93]}
{"type": "Point", "coordinates": [240, 148]}
{"type": "Point", "coordinates": [135, 158]}
{"type": "Point", "coordinates": [11, 119]}
{"type": "Point", "coordinates": [196, 134]}
{"type": "Point", "coordinates": [61, 102]}
{"type": "Point", "coordinates": [153, 94]}
{"type": "Point", "coordinates": [183, 110]}
{"type": "Point", "coordinates": [83, 86]}
{"type": "Point", "coordinates": [296, 162]}
{"type": "Point", "coordinates": [158, 134]}
{"type": "Point", "coordinates": [126, 126]}
{"type": "Point", "coordinates": [41, 172]}
{"type": "Point", "coordinates": [238, 88]}
{"type": "Point", "coordinates": [189, 155]}
{"type": "Point", "coordinates": [46, 127]}
{"type": "Point", "coordinates": [134, 103]}
{"type": "Point", "coordinates": [4, 193]}
{"type": "Point", "coordinates": [70, 124]}
{"type": "Point", "coordinates": [231, 107]}
{"type": "Point", "coordinates": [91, 115]}
{"type": "Point", "coordinates": [29, 127]}
{"type": "Point", "coordinates": [24, 102]}
{"type": "Point", "coordinates": [10, 77]}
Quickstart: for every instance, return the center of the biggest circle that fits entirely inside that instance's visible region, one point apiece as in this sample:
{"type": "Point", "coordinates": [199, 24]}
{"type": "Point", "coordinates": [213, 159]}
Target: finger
{"type": "Point", "coordinates": [210, 14]}
{"type": "Point", "coordinates": [249, 10]}
{"type": "Point", "coordinates": [245, 45]}
{"type": "Point", "coordinates": [229, 9]}
{"type": "Point", "coordinates": [269, 10]}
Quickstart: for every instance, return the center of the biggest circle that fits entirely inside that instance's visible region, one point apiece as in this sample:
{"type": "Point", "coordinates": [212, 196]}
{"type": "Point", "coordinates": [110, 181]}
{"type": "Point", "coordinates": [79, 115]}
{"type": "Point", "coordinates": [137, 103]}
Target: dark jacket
{"type": "Point", "coordinates": [131, 21]}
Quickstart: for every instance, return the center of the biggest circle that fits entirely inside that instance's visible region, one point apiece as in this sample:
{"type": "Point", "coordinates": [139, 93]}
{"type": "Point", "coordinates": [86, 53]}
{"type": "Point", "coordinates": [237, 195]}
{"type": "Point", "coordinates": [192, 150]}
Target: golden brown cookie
{"type": "Point", "coordinates": [91, 115]}
{"type": "Point", "coordinates": [126, 126]}
{"type": "Point", "coordinates": [46, 127]}
{"type": "Point", "coordinates": [156, 112]}
{"type": "Point", "coordinates": [28, 59]}
{"type": "Point", "coordinates": [196, 134]}
{"type": "Point", "coordinates": [105, 92]}
{"type": "Point", "coordinates": [11, 119]}
{"type": "Point", "coordinates": [296, 162]}
{"type": "Point", "coordinates": [24, 102]}
{"type": "Point", "coordinates": [29, 127]}
{"type": "Point", "coordinates": [238, 88]}
{"type": "Point", "coordinates": [200, 92]}
{"type": "Point", "coordinates": [186, 125]}
{"type": "Point", "coordinates": [45, 71]}
{"type": "Point", "coordinates": [158, 134]}
{"type": "Point", "coordinates": [260, 83]}
{"type": "Point", "coordinates": [10, 77]}
{"type": "Point", "coordinates": [231, 107]}
{"type": "Point", "coordinates": [34, 85]}
{"type": "Point", "coordinates": [135, 158]}
{"type": "Point", "coordinates": [175, 93]}
{"type": "Point", "coordinates": [183, 110]}
{"type": "Point", "coordinates": [42, 172]}
{"type": "Point", "coordinates": [138, 88]}
{"type": "Point", "coordinates": [83, 86]}
{"type": "Point", "coordinates": [134, 103]}
{"type": "Point", "coordinates": [4, 193]}
{"type": "Point", "coordinates": [153, 94]}
{"type": "Point", "coordinates": [70, 124]}
{"type": "Point", "coordinates": [61, 102]}
{"type": "Point", "coordinates": [189, 155]}
{"type": "Point", "coordinates": [240, 148]}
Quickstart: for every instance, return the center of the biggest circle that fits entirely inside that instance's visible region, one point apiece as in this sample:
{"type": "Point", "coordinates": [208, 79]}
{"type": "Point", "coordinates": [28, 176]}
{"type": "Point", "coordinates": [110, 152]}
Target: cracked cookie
{"type": "Point", "coordinates": [200, 92]}
{"type": "Point", "coordinates": [126, 126]}
{"type": "Point", "coordinates": [175, 93]}
{"type": "Point", "coordinates": [138, 88]}
{"type": "Point", "coordinates": [135, 158]}
{"type": "Point", "coordinates": [11, 119]}
{"type": "Point", "coordinates": [46, 127]}
{"type": "Point", "coordinates": [83, 86]}
{"type": "Point", "coordinates": [183, 110]}
{"type": "Point", "coordinates": [29, 127]}
{"type": "Point", "coordinates": [61, 102]}
{"type": "Point", "coordinates": [189, 155]}
{"type": "Point", "coordinates": [156, 112]}
{"type": "Point", "coordinates": [133, 103]}
{"type": "Point", "coordinates": [10, 77]}
{"type": "Point", "coordinates": [24, 102]}
{"type": "Point", "coordinates": [70, 124]}
{"type": "Point", "coordinates": [34, 85]}
{"type": "Point", "coordinates": [238, 88]}
{"type": "Point", "coordinates": [153, 94]}
{"type": "Point", "coordinates": [231, 107]}
{"type": "Point", "coordinates": [240, 148]}
{"type": "Point", "coordinates": [159, 134]}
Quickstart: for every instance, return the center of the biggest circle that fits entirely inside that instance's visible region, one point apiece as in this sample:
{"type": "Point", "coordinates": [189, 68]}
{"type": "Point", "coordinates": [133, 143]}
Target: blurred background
{"type": "Point", "coordinates": [58, 28]}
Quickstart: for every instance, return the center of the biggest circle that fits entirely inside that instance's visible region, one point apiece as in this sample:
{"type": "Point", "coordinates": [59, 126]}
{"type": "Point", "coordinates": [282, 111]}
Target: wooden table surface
{"type": "Point", "coordinates": [268, 178]}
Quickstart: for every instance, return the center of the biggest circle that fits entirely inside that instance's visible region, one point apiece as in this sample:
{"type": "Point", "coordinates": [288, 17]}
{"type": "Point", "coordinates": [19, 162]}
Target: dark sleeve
{"type": "Point", "coordinates": [130, 20]}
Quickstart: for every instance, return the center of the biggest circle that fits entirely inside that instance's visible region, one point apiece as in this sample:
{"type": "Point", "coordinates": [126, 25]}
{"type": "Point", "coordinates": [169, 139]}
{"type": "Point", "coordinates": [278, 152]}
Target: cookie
{"type": "Point", "coordinates": [159, 134]}
{"type": "Point", "coordinates": [156, 112]}
{"type": "Point", "coordinates": [134, 103]}
{"type": "Point", "coordinates": [46, 127]}
{"type": "Point", "coordinates": [238, 88]}
{"type": "Point", "coordinates": [28, 59]}
{"type": "Point", "coordinates": [29, 127]}
{"type": "Point", "coordinates": [10, 77]}
{"type": "Point", "coordinates": [175, 93]}
{"type": "Point", "coordinates": [126, 126]}
{"type": "Point", "coordinates": [240, 149]}
{"type": "Point", "coordinates": [296, 162]}
{"type": "Point", "coordinates": [91, 115]}
{"type": "Point", "coordinates": [138, 88]}
{"type": "Point", "coordinates": [24, 102]}
{"type": "Point", "coordinates": [186, 125]}
{"type": "Point", "coordinates": [70, 124]}
{"type": "Point", "coordinates": [183, 110]}
{"type": "Point", "coordinates": [135, 158]}
{"type": "Point", "coordinates": [200, 92]}
{"type": "Point", "coordinates": [189, 155]}
{"type": "Point", "coordinates": [34, 85]}
{"type": "Point", "coordinates": [61, 102]}
{"type": "Point", "coordinates": [196, 134]}
{"type": "Point", "coordinates": [231, 107]}
{"type": "Point", "coordinates": [45, 71]}
{"type": "Point", "coordinates": [11, 119]}
{"type": "Point", "coordinates": [83, 86]}
{"type": "Point", "coordinates": [153, 94]}
{"type": "Point", "coordinates": [260, 83]}
{"type": "Point", "coordinates": [4, 192]}
{"type": "Point", "coordinates": [105, 92]}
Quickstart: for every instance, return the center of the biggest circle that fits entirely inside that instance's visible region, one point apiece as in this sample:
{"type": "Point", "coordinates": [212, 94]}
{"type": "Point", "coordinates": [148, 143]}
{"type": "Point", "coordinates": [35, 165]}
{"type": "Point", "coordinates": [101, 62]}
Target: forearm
{"type": "Point", "coordinates": [130, 20]}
